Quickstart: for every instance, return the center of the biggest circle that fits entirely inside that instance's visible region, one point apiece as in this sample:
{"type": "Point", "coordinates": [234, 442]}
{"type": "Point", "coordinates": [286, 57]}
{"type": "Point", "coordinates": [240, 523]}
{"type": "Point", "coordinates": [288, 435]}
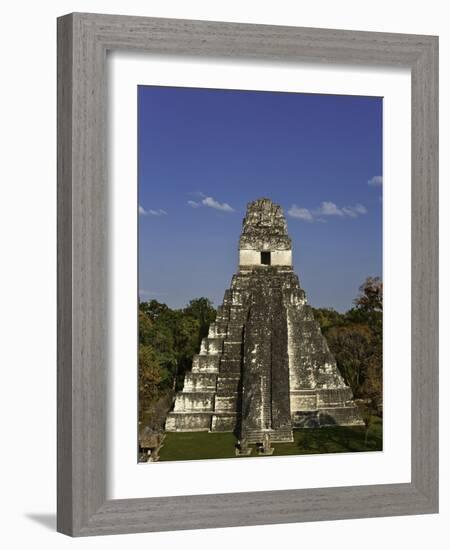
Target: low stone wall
{"type": "Point", "coordinates": [226, 403]}
{"type": "Point", "coordinates": [304, 400]}
{"type": "Point", "coordinates": [211, 346]}
{"type": "Point", "coordinates": [188, 422]}
{"type": "Point", "coordinates": [336, 397]}
{"type": "Point", "coordinates": [200, 401]}
{"type": "Point", "coordinates": [206, 363]}
{"type": "Point", "coordinates": [331, 416]}
{"type": "Point", "coordinates": [199, 382]}
{"type": "Point", "coordinates": [223, 422]}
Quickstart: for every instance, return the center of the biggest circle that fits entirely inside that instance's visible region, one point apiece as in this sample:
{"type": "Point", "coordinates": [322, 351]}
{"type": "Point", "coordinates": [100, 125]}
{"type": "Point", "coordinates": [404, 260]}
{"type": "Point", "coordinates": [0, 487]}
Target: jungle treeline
{"type": "Point", "coordinates": [169, 338]}
{"type": "Point", "coordinates": [356, 340]}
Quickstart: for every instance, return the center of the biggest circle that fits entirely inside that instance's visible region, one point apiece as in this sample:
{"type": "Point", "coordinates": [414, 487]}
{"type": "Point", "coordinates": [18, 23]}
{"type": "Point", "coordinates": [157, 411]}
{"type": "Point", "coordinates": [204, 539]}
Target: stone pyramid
{"type": "Point", "coordinates": [265, 367]}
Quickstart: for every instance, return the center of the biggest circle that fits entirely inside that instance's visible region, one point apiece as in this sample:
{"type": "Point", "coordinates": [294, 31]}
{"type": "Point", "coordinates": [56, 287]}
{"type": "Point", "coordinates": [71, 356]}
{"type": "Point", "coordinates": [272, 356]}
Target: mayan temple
{"type": "Point", "coordinates": [265, 367]}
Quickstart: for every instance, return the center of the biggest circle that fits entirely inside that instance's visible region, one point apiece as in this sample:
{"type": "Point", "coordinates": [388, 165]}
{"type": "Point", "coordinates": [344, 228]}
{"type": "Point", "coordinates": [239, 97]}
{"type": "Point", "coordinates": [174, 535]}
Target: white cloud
{"type": "Point", "coordinates": [327, 208]}
{"type": "Point", "coordinates": [150, 212]}
{"type": "Point", "coordinates": [349, 211]}
{"type": "Point", "coordinates": [210, 202]}
{"type": "Point", "coordinates": [159, 212]}
{"type": "Point", "coordinates": [197, 194]}
{"type": "Point", "coordinates": [354, 211]}
{"type": "Point", "coordinates": [360, 209]}
{"type": "Point", "coordinates": [300, 213]}
{"type": "Point", "coordinates": [376, 181]}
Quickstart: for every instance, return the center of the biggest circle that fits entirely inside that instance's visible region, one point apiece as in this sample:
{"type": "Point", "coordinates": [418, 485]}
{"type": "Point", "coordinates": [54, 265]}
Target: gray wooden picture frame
{"type": "Point", "coordinates": [83, 41]}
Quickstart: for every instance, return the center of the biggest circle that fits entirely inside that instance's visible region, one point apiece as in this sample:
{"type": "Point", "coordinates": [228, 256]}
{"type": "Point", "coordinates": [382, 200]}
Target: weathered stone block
{"type": "Point", "coordinates": [232, 349]}
{"type": "Point", "coordinates": [341, 416]}
{"type": "Point", "coordinates": [225, 403]}
{"type": "Point", "coordinates": [197, 402]}
{"type": "Point", "coordinates": [211, 346]}
{"type": "Point", "coordinates": [227, 385]}
{"type": "Point", "coordinates": [334, 397]}
{"type": "Point", "coordinates": [200, 382]}
{"type": "Point", "coordinates": [206, 363]}
{"type": "Point", "coordinates": [223, 422]}
{"type": "Point", "coordinates": [188, 422]}
{"type": "Point", "coordinates": [230, 366]}
{"type": "Point", "coordinates": [303, 401]}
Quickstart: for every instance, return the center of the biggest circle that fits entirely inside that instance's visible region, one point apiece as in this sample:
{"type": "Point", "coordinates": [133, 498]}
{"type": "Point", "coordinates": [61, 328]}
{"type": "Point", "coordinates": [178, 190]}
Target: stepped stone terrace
{"type": "Point", "coordinates": [265, 367]}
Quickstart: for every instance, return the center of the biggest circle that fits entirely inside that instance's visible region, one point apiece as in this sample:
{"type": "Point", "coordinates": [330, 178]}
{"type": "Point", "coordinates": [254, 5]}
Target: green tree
{"type": "Point", "coordinates": [145, 329]}
{"type": "Point", "coordinates": [149, 378]}
{"type": "Point", "coordinates": [369, 305]}
{"type": "Point", "coordinates": [352, 347]}
{"type": "Point", "coordinates": [174, 335]}
{"type": "Point", "coordinates": [186, 337]}
{"type": "Point", "coordinates": [153, 309]}
{"type": "Point", "coordinates": [203, 311]}
{"type": "Point", "coordinates": [356, 340]}
{"type": "Point", "coordinates": [328, 317]}
{"type": "Point", "coordinates": [370, 298]}
{"type": "Point", "coordinates": [155, 334]}
{"type": "Point", "coordinates": [373, 382]}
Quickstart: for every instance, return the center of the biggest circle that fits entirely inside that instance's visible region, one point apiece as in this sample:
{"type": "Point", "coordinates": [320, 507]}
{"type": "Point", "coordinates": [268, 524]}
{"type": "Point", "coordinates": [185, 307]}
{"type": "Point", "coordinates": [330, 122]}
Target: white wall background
{"type": "Point", "coordinates": [28, 273]}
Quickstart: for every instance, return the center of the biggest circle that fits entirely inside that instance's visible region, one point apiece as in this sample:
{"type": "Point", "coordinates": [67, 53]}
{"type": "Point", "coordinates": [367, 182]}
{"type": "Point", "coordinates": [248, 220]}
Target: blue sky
{"type": "Point", "coordinates": [204, 154]}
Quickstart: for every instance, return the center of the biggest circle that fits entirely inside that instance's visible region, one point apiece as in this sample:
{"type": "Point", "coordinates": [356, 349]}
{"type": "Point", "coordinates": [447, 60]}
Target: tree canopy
{"type": "Point", "coordinates": [356, 340]}
{"type": "Point", "coordinates": [168, 340]}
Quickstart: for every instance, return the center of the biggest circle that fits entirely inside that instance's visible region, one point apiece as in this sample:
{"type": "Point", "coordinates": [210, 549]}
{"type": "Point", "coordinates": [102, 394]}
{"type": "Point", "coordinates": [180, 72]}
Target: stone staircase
{"type": "Point", "coordinates": [281, 435]}
{"type": "Point", "coordinates": [266, 407]}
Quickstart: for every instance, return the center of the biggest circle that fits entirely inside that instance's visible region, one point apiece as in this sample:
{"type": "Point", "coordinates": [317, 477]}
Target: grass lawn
{"type": "Point", "coordinates": [336, 439]}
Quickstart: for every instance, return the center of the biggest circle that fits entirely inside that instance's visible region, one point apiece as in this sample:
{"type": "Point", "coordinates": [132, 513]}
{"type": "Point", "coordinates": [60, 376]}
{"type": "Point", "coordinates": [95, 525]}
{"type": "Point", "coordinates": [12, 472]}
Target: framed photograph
{"type": "Point", "coordinates": [265, 373]}
{"type": "Point", "coordinates": [247, 274]}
